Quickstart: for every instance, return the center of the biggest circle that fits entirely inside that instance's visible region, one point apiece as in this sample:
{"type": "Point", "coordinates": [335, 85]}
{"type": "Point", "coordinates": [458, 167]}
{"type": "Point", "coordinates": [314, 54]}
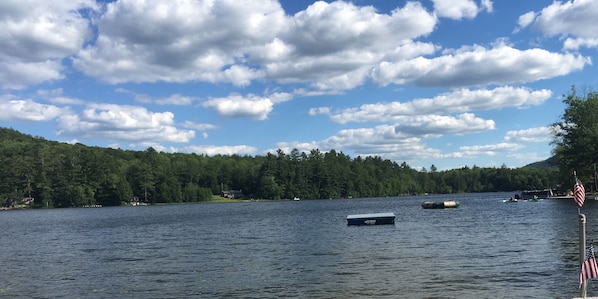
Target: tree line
{"type": "Point", "coordinates": [576, 138]}
{"type": "Point", "coordinates": [70, 175]}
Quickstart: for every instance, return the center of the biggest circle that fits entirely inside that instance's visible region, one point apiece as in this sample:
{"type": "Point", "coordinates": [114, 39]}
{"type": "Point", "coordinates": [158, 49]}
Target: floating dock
{"type": "Point", "coordinates": [530, 194]}
{"type": "Point", "coordinates": [371, 219]}
{"type": "Point", "coordinates": [440, 204]}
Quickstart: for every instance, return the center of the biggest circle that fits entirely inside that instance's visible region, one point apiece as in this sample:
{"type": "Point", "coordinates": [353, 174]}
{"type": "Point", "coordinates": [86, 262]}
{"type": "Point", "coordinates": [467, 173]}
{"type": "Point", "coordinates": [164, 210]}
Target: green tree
{"type": "Point", "coordinates": [269, 189]}
{"type": "Point", "coordinates": [575, 137]}
{"type": "Point", "coordinates": [66, 175]}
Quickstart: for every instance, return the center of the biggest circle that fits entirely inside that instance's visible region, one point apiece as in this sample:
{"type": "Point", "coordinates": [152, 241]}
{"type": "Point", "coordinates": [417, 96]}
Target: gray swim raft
{"type": "Point", "coordinates": [371, 219]}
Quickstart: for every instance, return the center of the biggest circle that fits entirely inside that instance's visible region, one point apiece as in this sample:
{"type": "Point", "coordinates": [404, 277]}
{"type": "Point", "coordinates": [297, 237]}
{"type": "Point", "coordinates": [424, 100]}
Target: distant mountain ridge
{"type": "Point", "coordinates": [551, 163]}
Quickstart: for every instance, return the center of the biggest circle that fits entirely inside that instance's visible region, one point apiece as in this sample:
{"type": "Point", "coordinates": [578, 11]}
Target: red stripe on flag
{"type": "Point", "coordinates": [579, 193]}
{"type": "Point", "coordinates": [589, 268]}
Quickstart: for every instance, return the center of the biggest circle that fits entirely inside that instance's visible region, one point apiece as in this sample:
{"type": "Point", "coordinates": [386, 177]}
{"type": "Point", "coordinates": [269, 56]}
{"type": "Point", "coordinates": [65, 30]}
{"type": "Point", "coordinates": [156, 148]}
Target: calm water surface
{"type": "Point", "coordinates": [297, 249]}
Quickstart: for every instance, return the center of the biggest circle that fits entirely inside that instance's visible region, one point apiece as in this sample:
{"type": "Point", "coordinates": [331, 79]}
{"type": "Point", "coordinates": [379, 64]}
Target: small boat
{"type": "Point", "coordinates": [542, 194]}
{"type": "Point", "coordinates": [440, 204]}
{"type": "Point", "coordinates": [534, 199]}
{"type": "Point", "coordinates": [512, 199]}
{"type": "Point", "coordinates": [371, 219]}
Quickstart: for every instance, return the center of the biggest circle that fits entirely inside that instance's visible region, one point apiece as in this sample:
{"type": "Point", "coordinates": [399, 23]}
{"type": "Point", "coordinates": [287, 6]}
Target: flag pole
{"type": "Point", "coordinates": [582, 249]}
{"type": "Point", "coordinates": [582, 241]}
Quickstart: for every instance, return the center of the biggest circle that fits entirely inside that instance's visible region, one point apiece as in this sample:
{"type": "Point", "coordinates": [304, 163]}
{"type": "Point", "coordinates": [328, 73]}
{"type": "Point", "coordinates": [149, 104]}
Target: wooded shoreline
{"type": "Point", "coordinates": [74, 175]}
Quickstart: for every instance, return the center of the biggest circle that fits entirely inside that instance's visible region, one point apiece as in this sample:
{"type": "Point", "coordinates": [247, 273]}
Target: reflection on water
{"type": "Point", "coordinates": [301, 249]}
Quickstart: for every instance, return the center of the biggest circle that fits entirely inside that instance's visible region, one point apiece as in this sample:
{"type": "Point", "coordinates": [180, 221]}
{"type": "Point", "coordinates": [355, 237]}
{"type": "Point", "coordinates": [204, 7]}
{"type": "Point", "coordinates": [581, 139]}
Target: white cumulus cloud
{"type": "Point", "coordinates": [36, 36]}
{"type": "Point", "coordinates": [123, 123]}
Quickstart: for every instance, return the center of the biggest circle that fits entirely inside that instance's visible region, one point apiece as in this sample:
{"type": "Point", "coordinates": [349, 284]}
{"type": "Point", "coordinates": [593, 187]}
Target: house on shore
{"type": "Point", "coordinates": [12, 203]}
{"type": "Point", "coordinates": [232, 194]}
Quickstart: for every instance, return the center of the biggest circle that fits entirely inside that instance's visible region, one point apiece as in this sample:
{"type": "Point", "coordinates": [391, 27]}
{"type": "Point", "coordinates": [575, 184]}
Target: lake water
{"type": "Point", "coordinates": [297, 249]}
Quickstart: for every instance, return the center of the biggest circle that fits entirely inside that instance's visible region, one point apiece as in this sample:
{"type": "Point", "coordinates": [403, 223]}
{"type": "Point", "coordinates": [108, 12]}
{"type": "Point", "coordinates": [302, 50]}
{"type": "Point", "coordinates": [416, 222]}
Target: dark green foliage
{"type": "Point", "coordinates": [575, 138]}
{"type": "Point", "coordinates": [66, 175]}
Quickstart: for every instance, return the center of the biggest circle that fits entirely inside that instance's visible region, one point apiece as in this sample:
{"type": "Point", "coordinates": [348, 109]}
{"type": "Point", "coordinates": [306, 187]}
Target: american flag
{"type": "Point", "coordinates": [589, 269]}
{"type": "Point", "coordinates": [579, 192]}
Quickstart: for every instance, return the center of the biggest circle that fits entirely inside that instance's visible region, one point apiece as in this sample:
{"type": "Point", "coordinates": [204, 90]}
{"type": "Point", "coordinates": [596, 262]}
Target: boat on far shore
{"type": "Point", "coordinates": [538, 194]}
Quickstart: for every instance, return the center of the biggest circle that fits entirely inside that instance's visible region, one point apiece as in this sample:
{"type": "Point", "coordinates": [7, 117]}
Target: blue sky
{"type": "Point", "coordinates": [449, 83]}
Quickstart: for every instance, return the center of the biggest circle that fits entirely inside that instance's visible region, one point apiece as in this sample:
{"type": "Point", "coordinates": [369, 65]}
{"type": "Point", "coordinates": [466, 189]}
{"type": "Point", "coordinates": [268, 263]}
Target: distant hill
{"type": "Point", "coordinates": [548, 163]}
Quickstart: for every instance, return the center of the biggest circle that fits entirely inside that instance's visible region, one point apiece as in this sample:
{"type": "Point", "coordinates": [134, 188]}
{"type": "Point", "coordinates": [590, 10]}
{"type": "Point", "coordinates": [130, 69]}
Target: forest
{"type": "Point", "coordinates": [58, 174]}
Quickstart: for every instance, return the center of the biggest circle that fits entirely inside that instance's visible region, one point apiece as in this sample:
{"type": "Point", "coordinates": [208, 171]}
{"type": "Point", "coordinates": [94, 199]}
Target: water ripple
{"type": "Point", "coordinates": [483, 249]}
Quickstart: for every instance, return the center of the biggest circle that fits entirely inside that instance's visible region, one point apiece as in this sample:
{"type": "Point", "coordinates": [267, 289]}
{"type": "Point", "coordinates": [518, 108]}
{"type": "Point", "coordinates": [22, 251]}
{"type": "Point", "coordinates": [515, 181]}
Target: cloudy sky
{"type": "Point", "coordinates": [449, 83]}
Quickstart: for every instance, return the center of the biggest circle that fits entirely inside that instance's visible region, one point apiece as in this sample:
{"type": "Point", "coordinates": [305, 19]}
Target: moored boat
{"type": "Point", "coordinates": [534, 199]}
{"type": "Point", "coordinates": [542, 194]}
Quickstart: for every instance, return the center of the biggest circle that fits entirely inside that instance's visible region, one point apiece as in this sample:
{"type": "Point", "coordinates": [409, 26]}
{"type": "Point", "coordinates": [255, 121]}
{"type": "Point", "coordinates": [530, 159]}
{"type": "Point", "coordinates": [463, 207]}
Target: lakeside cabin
{"type": "Point", "coordinates": [12, 203]}
{"type": "Point", "coordinates": [232, 194]}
